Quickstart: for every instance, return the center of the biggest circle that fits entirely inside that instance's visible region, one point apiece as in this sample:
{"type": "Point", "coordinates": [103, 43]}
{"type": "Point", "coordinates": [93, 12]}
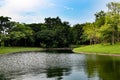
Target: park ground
{"type": "Point", "coordinates": [5, 50]}
{"type": "Point", "coordinates": [99, 49]}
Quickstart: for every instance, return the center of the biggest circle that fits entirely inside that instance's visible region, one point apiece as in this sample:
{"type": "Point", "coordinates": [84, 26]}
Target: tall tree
{"type": "Point", "coordinates": [52, 23]}
{"type": "Point", "coordinates": [78, 31]}
{"type": "Point", "coordinates": [4, 28]}
{"type": "Point", "coordinates": [92, 32]}
{"type": "Point", "coordinates": [112, 23]}
{"type": "Point", "coordinates": [21, 35]}
{"type": "Point", "coordinates": [100, 18]}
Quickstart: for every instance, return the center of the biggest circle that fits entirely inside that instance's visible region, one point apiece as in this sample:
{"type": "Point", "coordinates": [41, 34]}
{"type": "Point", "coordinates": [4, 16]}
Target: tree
{"type": "Point", "coordinates": [37, 27]}
{"type": "Point", "coordinates": [45, 38]}
{"type": "Point", "coordinates": [4, 28]}
{"type": "Point", "coordinates": [78, 31]}
{"type": "Point", "coordinates": [92, 32]}
{"type": "Point", "coordinates": [4, 24]}
{"type": "Point", "coordinates": [100, 18]}
{"type": "Point", "coordinates": [114, 7]}
{"type": "Point", "coordinates": [21, 35]}
{"type": "Point", "coordinates": [58, 35]}
{"type": "Point", "coordinates": [62, 35]}
{"type": "Point", "coordinates": [52, 23]}
{"type": "Point", "coordinates": [111, 28]}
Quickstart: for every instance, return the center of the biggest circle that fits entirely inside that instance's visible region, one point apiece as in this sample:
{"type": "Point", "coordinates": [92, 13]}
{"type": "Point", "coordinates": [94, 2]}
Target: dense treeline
{"type": "Point", "coordinates": [57, 33]}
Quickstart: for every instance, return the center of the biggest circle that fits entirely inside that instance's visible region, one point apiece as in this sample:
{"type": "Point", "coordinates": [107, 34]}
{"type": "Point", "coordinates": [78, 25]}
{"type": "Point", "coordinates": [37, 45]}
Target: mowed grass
{"type": "Point", "coordinates": [4, 50]}
{"type": "Point", "coordinates": [99, 48]}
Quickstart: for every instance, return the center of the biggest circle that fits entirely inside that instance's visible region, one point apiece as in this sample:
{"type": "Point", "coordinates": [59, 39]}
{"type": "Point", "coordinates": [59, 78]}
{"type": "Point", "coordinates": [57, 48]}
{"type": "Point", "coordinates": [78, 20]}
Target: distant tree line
{"type": "Point", "coordinates": [57, 33]}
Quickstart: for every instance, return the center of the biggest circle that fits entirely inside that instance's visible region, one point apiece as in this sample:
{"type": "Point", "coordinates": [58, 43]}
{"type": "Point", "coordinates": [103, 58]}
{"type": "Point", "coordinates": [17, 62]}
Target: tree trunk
{"type": "Point", "coordinates": [95, 40]}
{"type": "Point", "coordinates": [2, 43]}
{"type": "Point", "coordinates": [118, 37]}
{"type": "Point", "coordinates": [113, 38]}
{"type": "Point", "coordinates": [25, 42]}
{"type": "Point", "coordinates": [90, 41]}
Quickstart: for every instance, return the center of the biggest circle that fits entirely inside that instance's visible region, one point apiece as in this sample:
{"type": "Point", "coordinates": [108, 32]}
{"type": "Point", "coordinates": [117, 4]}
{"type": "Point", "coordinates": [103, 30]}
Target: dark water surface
{"type": "Point", "coordinates": [58, 66]}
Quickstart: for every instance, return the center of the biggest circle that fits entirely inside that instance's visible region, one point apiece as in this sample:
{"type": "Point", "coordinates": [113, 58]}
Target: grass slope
{"type": "Point", "coordinates": [4, 50]}
{"type": "Point", "coordinates": [99, 48]}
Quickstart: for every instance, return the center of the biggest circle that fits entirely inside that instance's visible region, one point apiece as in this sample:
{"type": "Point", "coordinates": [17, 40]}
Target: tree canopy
{"type": "Point", "coordinates": [57, 33]}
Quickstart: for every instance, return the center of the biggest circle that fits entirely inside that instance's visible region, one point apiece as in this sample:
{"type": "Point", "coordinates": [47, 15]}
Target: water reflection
{"type": "Point", "coordinates": [57, 72]}
{"type": "Point", "coordinates": [105, 67]}
{"type": "Point", "coordinates": [3, 77]}
{"type": "Point", "coordinates": [62, 66]}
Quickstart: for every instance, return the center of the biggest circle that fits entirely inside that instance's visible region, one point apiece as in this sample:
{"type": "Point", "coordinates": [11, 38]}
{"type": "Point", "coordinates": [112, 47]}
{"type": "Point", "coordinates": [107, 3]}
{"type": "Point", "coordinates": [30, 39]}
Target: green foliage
{"type": "Point", "coordinates": [78, 34]}
{"type": "Point", "coordinates": [56, 36]}
{"type": "Point", "coordinates": [4, 28]}
{"type": "Point", "coordinates": [114, 7]}
{"type": "Point", "coordinates": [46, 38]}
{"type": "Point", "coordinates": [92, 32]}
{"type": "Point", "coordinates": [20, 33]}
{"type": "Point", "coordinates": [110, 31]}
{"type": "Point", "coordinates": [106, 27]}
{"type": "Point", "coordinates": [57, 33]}
{"type": "Point", "coordinates": [52, 23]}
{"type": "Point", "coordinates": [100, 18]}
{"type": "Point", "coordinates": [4, 24]}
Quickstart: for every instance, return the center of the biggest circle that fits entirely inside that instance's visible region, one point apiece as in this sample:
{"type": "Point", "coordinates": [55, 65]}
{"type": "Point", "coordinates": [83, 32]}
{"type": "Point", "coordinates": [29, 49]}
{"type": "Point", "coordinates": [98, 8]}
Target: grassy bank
{"type": "Point", "coordinates": [4, 50]}
{"type": "Point", "coordinates": [99, 48]}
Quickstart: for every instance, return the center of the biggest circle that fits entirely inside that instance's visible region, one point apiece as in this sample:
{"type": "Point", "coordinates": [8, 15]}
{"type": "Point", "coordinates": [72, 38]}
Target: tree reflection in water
{"type": "Point", "coordinates": [3, 77]}
{"type": "Point", "coordinates": [105, 67]}
{"type": "Point", "coordinates": [57, 72]}
{"type": "Point", "coordinates": [58, 66]}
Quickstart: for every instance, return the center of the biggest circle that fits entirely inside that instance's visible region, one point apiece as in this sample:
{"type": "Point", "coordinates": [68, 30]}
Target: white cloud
{"type": "Point", "coordinates": [68, 8]}
{"type": "Point", "coordinates": [52, 4]}
{"type": "Point", "coordinates": [36, 10]}
{"type": "Point", "coordinates": [16, 8]}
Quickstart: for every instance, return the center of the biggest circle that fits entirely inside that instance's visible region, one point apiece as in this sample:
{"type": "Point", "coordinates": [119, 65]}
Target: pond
{"type": "Point", "coordinates": [58, 66]}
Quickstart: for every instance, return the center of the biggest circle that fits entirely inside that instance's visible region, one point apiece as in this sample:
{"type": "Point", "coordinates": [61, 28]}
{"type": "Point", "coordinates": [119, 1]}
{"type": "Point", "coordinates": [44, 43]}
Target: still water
{"type": "Point", "coordinates": [58, 66]}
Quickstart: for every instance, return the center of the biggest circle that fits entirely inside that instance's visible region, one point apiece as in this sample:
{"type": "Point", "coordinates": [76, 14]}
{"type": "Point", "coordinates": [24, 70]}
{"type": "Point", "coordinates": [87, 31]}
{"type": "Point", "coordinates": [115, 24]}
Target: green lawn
{"type": "Point", "coordinates": [99, 48]}
{"type": "Point", "coordinates": [4, 50]}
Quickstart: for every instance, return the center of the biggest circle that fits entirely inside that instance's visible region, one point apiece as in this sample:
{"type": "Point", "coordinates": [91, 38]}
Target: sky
{"type": "Point", "coordinates": [34, 11]}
